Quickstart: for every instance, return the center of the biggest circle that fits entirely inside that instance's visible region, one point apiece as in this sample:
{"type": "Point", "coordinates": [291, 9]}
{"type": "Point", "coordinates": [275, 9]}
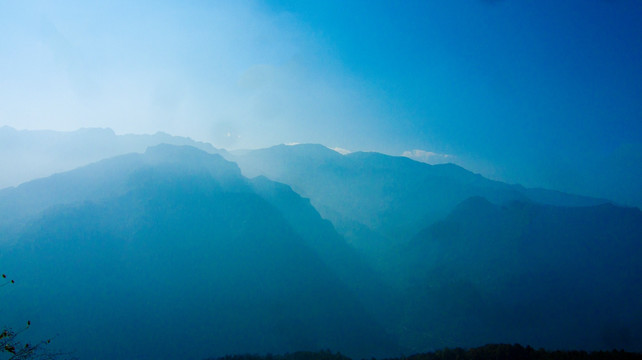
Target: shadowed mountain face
{"type": "Point", "coordinates": [558, 277]}
{"type": "Point", "coordinates": [179, 256]}
{"type": "Point", "coordinates": [26, 155]}
{"type": "Point", "coordinates": [109, 178]}
{"type": "Point", "coordinates": [175, 254]}
{"type": "Point", "coordinates": [377, 200]}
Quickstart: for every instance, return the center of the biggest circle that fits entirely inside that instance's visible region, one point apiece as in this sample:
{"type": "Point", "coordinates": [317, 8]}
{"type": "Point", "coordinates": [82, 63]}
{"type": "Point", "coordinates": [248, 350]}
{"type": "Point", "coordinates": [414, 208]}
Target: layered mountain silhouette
{"type": "Point", "coordinates": [181, 253]}
{"type": "Point", "coordinates": [174, 254]}
{"type": "Point", "coordinates": [377, 201]}
{"type": "Point", "coordinates": [30, 154]}
{"type": "Point", "coordinates": [476, 260]}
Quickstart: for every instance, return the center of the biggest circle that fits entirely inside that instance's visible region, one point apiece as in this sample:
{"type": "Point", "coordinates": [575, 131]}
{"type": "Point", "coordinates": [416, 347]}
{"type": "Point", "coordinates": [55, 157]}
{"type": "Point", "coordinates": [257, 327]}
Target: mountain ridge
{"type": "Point", "coordinates": [369, 195]}
{"type": "Point", "coordinates": [176, 228]}
{"type": "Point", "coordinates": [30, 154]}
{"type": "Point", "coordinates": [186, 222]}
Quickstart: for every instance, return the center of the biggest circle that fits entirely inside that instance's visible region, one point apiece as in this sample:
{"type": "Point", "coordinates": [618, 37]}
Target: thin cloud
{"type": "Point", "coordinates": [428, 157]}
{"type": "Point", "coordinates": [341, 151]}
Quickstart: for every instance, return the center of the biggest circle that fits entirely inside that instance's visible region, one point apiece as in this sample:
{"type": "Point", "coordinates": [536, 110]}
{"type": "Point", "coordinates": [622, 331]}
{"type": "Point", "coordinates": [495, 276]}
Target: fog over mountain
{"type": "Point", "coordinates": [378, 201]}
{"type": "Point", "coordinates": [176, 243]}
{"type": "Point", "coordinates": [302, 248]}
{"type": "Point", "coordinates": [27, 154]}
{"type": "Point", "coordinates": [30, 154]}
{"type": "Point", "coordinates": [191, 180]}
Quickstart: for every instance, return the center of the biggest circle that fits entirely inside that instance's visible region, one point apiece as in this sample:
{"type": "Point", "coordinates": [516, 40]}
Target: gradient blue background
{"type": "Point", "coordinates": [543, 93]}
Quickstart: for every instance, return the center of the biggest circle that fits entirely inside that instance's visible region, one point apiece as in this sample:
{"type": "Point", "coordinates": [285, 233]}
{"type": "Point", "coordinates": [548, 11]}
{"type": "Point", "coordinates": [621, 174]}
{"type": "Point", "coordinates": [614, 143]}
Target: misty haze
{"type": "Point", "coordinates": [283, 180]}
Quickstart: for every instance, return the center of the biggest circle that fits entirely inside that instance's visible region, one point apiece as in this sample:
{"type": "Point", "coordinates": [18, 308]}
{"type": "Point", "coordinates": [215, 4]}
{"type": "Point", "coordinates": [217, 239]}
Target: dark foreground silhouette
{"type": "Point", "coordinates": [486, 352]}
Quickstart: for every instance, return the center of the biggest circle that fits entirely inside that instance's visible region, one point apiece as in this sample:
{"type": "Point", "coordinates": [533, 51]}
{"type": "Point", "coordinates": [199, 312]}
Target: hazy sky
{"type": "Point", "coordinates": [534, 92]}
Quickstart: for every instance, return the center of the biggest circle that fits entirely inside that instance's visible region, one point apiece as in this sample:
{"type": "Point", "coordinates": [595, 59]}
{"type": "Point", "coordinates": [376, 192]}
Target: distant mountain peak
{"type": "Point", "coordinates": [190, 158]}
{"type": "Point", "coordinates": [117, 175]}
{"type": "Point", "coordinates": [48, 152]}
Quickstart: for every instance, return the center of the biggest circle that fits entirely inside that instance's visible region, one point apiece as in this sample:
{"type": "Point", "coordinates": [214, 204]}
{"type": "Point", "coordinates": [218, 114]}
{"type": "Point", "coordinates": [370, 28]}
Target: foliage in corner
{"type": "Point", "coordinates": [11, 348]}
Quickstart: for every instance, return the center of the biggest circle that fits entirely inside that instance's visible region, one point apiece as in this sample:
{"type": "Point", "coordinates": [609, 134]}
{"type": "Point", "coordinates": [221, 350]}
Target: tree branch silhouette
{"type": "Point", "coordinates": [11, 348]}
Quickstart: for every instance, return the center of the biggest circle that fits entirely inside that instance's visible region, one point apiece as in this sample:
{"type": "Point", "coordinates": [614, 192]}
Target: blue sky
{"type": "Point", "coordinates": [534, 92]}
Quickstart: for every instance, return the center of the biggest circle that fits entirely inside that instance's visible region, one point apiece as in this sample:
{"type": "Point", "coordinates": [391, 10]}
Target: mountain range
{"type": "Point", "coordinates": [379, 201]}
{"type": "Point", "coordinates": [180, 256]}
{"type": "Point", "coordinates": [187, 251]}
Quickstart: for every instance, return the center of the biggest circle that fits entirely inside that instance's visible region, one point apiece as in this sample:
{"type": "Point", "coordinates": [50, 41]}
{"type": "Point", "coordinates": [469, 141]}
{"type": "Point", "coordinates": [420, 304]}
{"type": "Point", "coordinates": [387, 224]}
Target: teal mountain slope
{"type": "Point", "coordinates": [180, 244]}
{"type": "Point", "coordinates": [556, 277]}
{"type": "Point", "coordinates": [374, 198]}
{"type": "Point", "coordinates": [180, 257]}
{"type": "Point", "coordinates": [109, 178]}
